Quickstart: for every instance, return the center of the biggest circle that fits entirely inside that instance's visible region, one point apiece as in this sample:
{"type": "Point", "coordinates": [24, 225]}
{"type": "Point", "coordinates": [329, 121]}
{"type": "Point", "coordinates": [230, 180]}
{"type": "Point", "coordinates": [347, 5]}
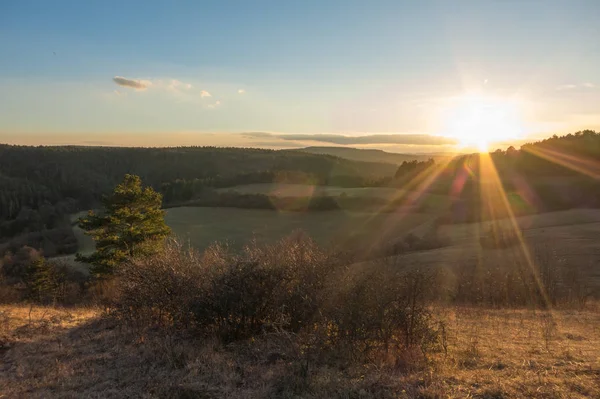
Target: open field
{"type": "Point", "coordinates": [429, 203]}
{"type": "Point", "coordinates": [575, 223]}
{"type": "Point", "coordinates": [568, 246]}
{"type": "Point", "coordinates": [73, 353]}
{"type": "Point", "coordinates": [573, 234]}
{"type": "Point", "coordinates": [202, 226]}
{"type": "Point", "coordinates": [305, 190]}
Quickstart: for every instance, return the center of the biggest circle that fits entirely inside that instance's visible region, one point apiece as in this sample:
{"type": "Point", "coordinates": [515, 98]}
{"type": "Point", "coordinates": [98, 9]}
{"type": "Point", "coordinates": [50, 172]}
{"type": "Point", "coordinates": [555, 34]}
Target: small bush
{"type": "Point", "coordinates": [50, 282]}
{"type": "Point", "coordinates": [159, 289]}
{"type": "Point", "coordinates": [381, 311]}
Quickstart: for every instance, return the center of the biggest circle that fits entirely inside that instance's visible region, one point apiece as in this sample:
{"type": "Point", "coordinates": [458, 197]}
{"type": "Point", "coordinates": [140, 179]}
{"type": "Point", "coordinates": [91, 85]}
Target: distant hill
{"type": "Point", "coordinates": [370, 155]}
{"type": "Point", "coordinates": [36, 177]}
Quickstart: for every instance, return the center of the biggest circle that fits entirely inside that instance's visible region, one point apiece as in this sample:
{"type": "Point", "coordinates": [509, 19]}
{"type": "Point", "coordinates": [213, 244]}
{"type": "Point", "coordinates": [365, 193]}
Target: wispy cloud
{"type": "Point", "coordinates": [241, 91]}
{"type": "Point", "coordinates": [132, 83]}
{"type": "Point", "coordinates": [215, 105]}
{"type": "Point", "coordinates": [171, 85]}
{"type": "Point", "coordinates": [410, 139]}
{"type": "Point", "coordinates": [204, 93]}
{"type": "Point", "coordinates": [175, 84]}
{"type": "Point", "coordinates": [566, 87]}
{"type": "Point", "coordinates": [586, 85]}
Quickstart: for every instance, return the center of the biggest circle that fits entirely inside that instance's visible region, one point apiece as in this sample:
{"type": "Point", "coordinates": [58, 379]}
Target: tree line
{"type": "Point", "coordinates": [554, 174]}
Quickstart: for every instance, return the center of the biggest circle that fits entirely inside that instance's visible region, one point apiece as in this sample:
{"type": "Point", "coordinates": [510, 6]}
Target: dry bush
{"type": "Point", "coordinates": [381, 312]}
{"type": "Point", "coordinates": [160, 289]}
{"type": "Point", "coordinates": [235, 296]}
{"type": "Point", "coordinates": [290, 287]}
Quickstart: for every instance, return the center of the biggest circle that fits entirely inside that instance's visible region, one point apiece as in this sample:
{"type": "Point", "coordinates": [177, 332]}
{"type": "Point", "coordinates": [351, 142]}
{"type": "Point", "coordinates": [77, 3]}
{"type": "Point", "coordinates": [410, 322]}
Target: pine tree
{"type": "Point", "coordinates": [132, 224]}
{"type": "Point", "coordinates": [42, 281]}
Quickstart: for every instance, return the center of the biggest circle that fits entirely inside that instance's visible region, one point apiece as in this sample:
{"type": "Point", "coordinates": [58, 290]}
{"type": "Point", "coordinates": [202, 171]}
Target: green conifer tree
{"type": "Point", "coordinates": [131, 224]}
{"type": "Point", "coordinates": [42, 281]}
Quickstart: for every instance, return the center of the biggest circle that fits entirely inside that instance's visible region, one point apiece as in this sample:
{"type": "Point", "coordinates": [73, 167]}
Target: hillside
{"type": "Point", "coordinates": [40, 185]}
{"type": "Point", "coordinates": [371, 155]}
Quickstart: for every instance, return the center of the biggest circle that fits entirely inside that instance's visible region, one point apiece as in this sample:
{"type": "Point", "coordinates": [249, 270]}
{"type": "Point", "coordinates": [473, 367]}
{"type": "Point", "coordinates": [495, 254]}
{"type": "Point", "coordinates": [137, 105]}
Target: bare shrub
{"type": "Point", "coordinates": [159, 289]}
{"type": "Point", "coordinates": [381, 311]}
{"type": "Point", "coordinates": [292, 287]}
{"type": "Point", "coordinates": [548, 327]}
{"type": "Point", "coordinates": [235, 296]}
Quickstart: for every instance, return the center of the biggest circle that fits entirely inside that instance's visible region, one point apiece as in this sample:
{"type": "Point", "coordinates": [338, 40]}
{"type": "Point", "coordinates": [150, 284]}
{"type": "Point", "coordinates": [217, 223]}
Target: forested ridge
{"type": "Point", "coordinates": [41, 186]}
{"type": "Point", "coordinates": [32, 176]}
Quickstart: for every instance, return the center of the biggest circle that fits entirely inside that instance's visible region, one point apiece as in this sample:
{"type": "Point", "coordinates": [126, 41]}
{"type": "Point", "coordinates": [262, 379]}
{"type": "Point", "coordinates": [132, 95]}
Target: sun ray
{"type": "Point", "coordinates": [409, 195]}
{"type": "Point", "coordinates": [585, 166]}
{"type": "Point", "coordinates": [494, 196]}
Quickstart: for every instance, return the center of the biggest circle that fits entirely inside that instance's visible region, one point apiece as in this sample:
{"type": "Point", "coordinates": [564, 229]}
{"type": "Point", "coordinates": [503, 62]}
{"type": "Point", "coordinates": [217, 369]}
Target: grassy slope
{"type": "Point", "coordinates": [573, 232]}
{"type": "Point", "coordinates": [73, 353]}
{"type": "Point", "coordinates": [205, 225]}
{"type": "Point", "coordinates": [570, 236]}
{"type": "Point", "coordinates": [432, 204]}
{"type": "Point", "coordinates": [574, 220]}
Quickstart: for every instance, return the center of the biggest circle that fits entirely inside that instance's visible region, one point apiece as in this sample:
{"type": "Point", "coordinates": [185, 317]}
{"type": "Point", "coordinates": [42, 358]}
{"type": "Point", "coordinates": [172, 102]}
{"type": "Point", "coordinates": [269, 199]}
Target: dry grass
{"type": "Point", "coordinates": [46, 352]}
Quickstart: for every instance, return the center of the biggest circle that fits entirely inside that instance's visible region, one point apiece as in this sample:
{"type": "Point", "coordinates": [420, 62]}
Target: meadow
{"type": "Point", "coordinates": [428, 202]}
{"type": "Point", "coordinates": [488, 354]}
{"type": "Point", "coordinates": [483, 349]}
{"type": "Point", "coordinates": [202, 226]}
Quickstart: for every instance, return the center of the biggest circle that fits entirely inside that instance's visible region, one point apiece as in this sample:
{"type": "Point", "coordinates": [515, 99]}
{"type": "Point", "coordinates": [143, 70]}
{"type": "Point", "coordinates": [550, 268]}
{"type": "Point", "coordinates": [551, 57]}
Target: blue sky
{"type": "Point", "coordinates": [211, 70]}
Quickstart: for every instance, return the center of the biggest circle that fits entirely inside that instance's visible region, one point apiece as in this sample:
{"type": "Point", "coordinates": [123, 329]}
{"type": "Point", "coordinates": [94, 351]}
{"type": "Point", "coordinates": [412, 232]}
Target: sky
{"type": "Point", "coordinates": [404, 76]}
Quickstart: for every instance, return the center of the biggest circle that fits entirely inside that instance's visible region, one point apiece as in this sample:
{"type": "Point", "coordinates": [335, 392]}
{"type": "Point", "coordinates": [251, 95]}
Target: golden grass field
{"type": "Point", "coordinates": [76, 353]}
{"type": "Point", "coordinates": [490, 353]}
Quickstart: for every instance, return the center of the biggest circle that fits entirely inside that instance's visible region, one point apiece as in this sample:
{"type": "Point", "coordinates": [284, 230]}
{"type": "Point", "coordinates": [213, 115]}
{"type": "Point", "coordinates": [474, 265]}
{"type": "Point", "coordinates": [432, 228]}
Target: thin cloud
{"type": "Point", "coordinates": [586, 85]}
{"type": "Point", "coordinates": [241, 91]}
{"type": "Point", "coordinates": [132, 83]}
{"type": "Point", "coordinates": [215, 105]}
{"type": "Point", "coordinates": [204, 93]}
{"type": "Point", "coordinates": [566, 87]}
{"type": "Point", "coordinates": [178, 85]}
{"type": "Point", "coordinates": [409, 139]}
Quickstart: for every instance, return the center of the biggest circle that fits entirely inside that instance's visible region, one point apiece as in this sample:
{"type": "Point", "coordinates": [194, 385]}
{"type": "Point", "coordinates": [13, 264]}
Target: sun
{"type": "Point", "coordinates": [477, 121]}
